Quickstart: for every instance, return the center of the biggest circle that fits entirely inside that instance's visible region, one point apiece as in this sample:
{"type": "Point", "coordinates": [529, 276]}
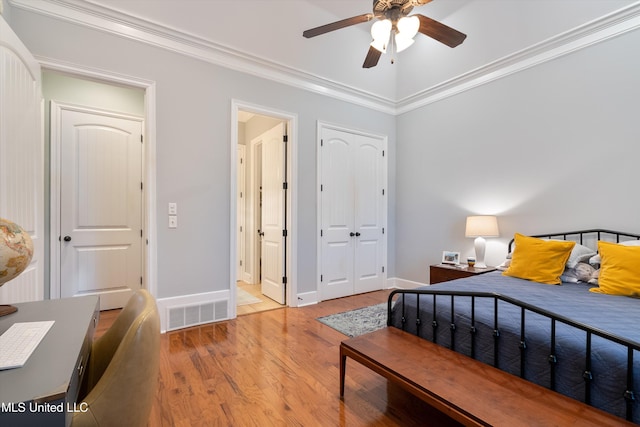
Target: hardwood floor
{"type": "Point", "coordinates": [265, 303]}
{"type": "Point", "coordinates": [275, 368]}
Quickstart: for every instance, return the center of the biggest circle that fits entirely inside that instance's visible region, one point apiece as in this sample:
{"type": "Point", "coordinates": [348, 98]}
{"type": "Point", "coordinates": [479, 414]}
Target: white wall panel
{"type": "Point", "coordinates": [21, 158]}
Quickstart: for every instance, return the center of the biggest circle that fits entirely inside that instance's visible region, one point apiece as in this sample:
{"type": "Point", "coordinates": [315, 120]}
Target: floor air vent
{"type": "Point", "coordinates": [192, 315]}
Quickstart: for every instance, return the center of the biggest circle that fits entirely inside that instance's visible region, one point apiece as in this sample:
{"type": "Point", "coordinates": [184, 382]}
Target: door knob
{"type": "Point", "coordinates": [357, 234]}
{"type": "Point", "coordinates": [352, 234]}
{"type": "Point", "coordinates": [67, 238]}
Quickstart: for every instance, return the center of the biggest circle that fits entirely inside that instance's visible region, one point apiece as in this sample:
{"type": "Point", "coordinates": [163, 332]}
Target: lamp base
{"type": "Point", "coordinates": [480, 245]}
{"type": "Point", "coordinates": [7, 309]}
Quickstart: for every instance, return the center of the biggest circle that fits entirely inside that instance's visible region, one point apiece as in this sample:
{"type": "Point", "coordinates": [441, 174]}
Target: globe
{"type": "Point", "coordinates": [16, 251]}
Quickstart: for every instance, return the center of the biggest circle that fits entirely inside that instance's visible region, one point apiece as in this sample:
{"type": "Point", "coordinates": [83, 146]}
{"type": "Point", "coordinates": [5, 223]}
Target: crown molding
{"type": "Point", "coordinates": [604, 28]}
{"type": "Point", "coordinates": [103, 19]}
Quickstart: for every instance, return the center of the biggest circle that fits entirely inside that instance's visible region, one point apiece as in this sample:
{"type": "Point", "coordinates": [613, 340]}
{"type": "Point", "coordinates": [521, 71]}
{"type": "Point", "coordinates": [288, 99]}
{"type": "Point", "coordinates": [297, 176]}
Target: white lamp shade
{"type": "Point", "coordinates": [380, 30]}
{"type": "Point", "coordinates": [408, 26]}
{"type": "Point", "coordinates": [482, 226]}
{"type": "Point", "coordinates": [379, 45]}
{"type": "Point", "coordinates": [402, 42]}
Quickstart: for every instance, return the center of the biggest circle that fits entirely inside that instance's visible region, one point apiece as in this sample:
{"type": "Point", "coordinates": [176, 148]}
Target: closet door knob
{"type": "Point", "coordinates": [67, 238]}
{"type": "Point", "coordinates": [357, 234]}
{"type": "Point", "coordinates": [352, 234]}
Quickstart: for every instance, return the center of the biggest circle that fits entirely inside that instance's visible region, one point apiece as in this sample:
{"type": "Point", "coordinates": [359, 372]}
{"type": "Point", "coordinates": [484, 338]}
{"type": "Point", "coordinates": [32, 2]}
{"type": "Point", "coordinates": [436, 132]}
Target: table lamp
{"type": "Point", "coordinates": [481, 226]}
{"type": "Point", "coordinates": [16, 251]}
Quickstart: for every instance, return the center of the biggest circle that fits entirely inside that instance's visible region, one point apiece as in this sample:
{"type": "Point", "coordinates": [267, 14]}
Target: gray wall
{"type": "Point", "coordinates": [552, 148]}
{"type": "Point", "coordinates": [193, 142]}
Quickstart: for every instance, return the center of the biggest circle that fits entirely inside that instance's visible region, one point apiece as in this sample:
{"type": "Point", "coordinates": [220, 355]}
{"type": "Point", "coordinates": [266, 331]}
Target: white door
{"type": "Point", "coordinates": [100, 206]}
{"type": "Point", "coordinates": [368, 212]}
{"type": "Point", "coordinates": [273, 224]}
{"type": "Point", "coordinates": [352, 213]}
{"type": "Point", "coordinates": [337, 211]}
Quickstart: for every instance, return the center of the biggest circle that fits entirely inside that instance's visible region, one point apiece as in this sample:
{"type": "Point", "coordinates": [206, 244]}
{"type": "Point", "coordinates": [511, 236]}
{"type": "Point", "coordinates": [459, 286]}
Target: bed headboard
{"type": "Point", "coordinates": [588, 237]}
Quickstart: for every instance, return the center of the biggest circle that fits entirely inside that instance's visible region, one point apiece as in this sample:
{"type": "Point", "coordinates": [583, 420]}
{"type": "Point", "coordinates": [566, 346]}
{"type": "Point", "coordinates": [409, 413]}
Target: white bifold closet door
{"type": "Point", "coordinates": [352, 213]}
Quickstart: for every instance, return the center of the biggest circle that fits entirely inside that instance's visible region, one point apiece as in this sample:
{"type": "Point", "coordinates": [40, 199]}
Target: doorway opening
{"type": "Point", "coordinates": [262, 245]}
{"type": "Point", "coordinates": [75, 94]}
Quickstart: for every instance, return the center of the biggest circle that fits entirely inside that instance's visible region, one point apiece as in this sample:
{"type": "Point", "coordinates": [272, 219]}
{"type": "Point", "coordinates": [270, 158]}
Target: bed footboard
{"type": "Point", "coordinates": [448, 301]}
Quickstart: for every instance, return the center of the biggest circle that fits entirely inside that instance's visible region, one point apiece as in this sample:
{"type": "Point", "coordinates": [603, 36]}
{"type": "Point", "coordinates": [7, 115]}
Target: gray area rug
{"type": "Point", "coordinates": [359, 321]}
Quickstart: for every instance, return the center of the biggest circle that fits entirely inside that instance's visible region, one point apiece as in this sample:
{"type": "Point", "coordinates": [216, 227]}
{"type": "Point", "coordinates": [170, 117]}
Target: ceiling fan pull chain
{"type": "Point", "coordinates": [393, 48]}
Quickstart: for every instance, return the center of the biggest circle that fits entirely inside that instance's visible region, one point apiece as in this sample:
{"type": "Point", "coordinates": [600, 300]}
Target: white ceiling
{"type": "Point", "coordinates": [271, 31]}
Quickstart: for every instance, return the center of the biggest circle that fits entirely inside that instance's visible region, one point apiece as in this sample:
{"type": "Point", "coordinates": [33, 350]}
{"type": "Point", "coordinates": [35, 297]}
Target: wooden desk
{"type": "Point", "coordinates": [50, 380]}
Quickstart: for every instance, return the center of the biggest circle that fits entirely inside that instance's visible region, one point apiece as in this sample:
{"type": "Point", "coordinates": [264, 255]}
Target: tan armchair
{"type": "Point", "coordinates": [122, 373]}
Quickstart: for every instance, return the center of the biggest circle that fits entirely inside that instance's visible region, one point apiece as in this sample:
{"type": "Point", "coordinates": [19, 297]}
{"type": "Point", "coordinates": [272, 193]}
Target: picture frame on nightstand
{"type": "Point", "coordinates": [450, 257]}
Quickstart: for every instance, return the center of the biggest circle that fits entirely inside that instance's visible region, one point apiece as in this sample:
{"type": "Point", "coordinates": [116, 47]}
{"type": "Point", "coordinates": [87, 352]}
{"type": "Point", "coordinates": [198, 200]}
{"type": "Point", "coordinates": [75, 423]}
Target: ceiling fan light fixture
{"type": "Point", "coordinates": [402, 42]}
{"type": "Point", "coordinates": [380, 45]}
{"type": "Point", "coordinates": [408, 26]}
{"type": "Point", "coordinates": [380, 30]}
{"type": "Point", "coordinates": [393, 29]}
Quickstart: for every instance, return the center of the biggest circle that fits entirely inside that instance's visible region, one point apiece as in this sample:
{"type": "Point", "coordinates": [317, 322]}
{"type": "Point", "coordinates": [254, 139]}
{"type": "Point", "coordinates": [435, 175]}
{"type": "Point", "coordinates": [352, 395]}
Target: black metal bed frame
{"type": "Point", "coordinates": [631, 346]}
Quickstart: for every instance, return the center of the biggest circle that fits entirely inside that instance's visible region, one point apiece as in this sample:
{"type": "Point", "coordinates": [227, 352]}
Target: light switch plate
{"type": "Point", "coordinates": [173, 221]}
{"type": "Point", "coordinates": [173, 208]}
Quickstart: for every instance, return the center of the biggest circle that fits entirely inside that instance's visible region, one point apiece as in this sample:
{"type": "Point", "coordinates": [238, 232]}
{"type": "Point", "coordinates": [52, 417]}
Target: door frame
{"type": "Point", "coordinates": [291, 261]}
{"type": "Point", "coordinates": [149, 204]}
{"type": "Point", "coordinates": [385, 208]}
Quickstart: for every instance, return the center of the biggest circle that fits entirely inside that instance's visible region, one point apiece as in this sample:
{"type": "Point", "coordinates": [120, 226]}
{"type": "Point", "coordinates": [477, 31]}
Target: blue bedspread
{"type": "Point", "coordinates": [616, 315]}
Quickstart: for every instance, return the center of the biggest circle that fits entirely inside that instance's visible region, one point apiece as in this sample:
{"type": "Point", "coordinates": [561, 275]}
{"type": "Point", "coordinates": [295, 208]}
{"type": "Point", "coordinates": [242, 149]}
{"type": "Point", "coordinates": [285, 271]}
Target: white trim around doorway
{"type": "Point", "coordinates": [292, 197]}
{"type": "Point", "coordinates": [149, 165]}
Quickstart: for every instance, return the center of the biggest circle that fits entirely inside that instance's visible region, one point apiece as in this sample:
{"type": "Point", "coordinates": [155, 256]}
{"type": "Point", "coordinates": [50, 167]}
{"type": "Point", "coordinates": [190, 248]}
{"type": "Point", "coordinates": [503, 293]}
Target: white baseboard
{"type": "Point", "coordinates": [307, 298]}
{"type": "Point", "coordinates": [196, 309]}
{"type": "Point", "coordinates": [397, 283]}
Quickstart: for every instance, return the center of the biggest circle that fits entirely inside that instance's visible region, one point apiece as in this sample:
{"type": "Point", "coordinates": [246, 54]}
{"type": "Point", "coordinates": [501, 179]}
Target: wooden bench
{"type": "Point", "coordinates": [468, 391]}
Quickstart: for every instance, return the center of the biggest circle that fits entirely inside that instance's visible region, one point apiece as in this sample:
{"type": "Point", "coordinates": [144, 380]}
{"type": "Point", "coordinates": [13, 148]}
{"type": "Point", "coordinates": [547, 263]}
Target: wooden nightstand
{"type": "Point", "coordinates": [443, 272]}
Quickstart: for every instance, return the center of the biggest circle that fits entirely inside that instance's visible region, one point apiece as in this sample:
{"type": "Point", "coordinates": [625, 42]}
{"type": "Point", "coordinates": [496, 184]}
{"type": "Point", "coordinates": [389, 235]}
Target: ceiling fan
{"type": "Point", "coordinates": [394, 28]}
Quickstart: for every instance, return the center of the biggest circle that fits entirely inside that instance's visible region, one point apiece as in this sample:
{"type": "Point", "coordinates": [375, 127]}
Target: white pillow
{"type": "Point", "coordinates": [505, 264]}
{"type": "Point", "coordinates": [579, 253]}
{"type": "Point", "coordinates": [596, 260]}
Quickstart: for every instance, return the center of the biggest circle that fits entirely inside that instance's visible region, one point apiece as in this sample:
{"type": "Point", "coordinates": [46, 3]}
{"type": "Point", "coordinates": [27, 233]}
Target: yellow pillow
{"type": "Point", "coordinates": [539, 260]}
{"type": "Point", "coordinates": [619, 270]}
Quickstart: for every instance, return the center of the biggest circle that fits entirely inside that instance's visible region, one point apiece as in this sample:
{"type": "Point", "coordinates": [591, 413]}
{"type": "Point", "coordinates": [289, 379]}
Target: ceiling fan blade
{"type": "Point", "coordinates": [438, 31]}
{"type": "Point", "coordinates": [338, 25]}
{"type": "Point", "coordinates": [373, 56]}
